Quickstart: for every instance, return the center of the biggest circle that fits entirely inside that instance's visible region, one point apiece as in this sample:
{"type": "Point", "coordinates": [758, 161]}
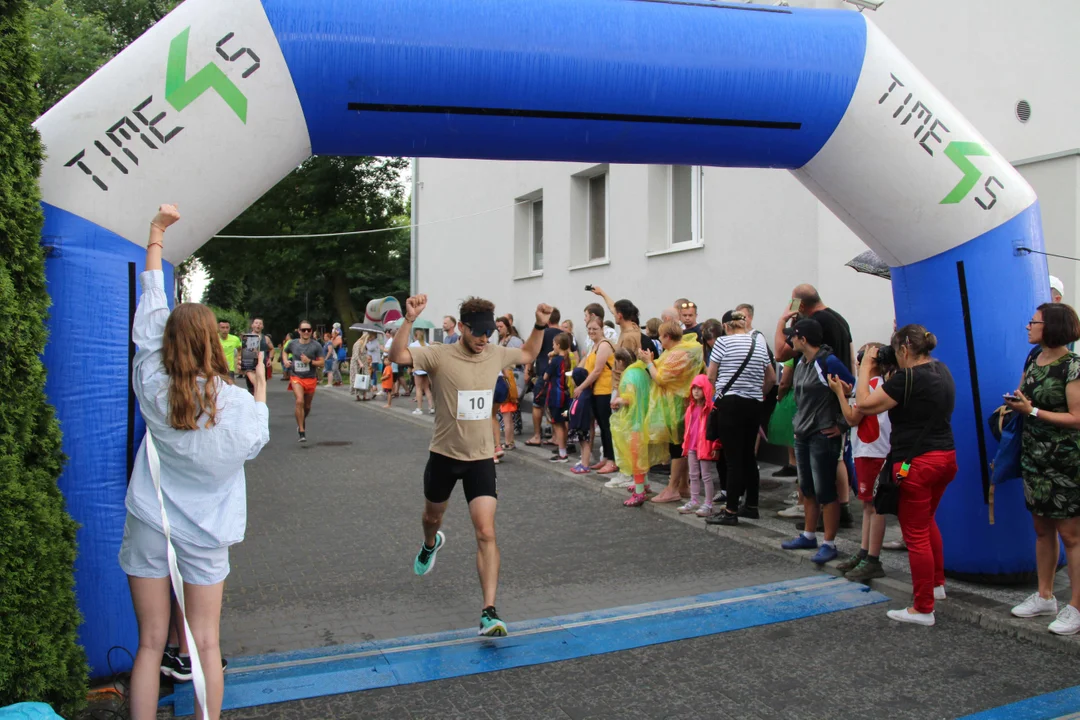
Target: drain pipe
{"type": "Point", "coordinates": [414, 234]}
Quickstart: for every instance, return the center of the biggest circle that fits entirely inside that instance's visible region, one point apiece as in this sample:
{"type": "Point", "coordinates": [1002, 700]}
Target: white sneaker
{"type": "Point", "coordinates": [417, 411]}
{"type": "Point", "coordinates": [619, 481]}
{"type": "Point", "coordinates": [1036, 605]}
{"type": "Point", "coordinates": [795, 511]}
{"type": "Point", "coordinates": [939, 592]}
{"type": "Point", "coordinates": [1067, 623]}
{"type": "Point", "coordinates": [690, 507]}
{"type": "Point", "coordinates": [903, 615]}
{"type": "Point", "coordinates": [431, 411]}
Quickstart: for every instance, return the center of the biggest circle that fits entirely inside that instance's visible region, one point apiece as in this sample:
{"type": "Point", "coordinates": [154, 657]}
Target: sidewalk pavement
{"type": "Point", "coordinates": [983, 604]}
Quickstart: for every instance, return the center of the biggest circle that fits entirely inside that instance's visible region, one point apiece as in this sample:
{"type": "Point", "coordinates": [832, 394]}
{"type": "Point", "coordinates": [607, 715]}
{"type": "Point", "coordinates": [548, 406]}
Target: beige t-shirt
{"type": "Point", "coordinates": [463, 385]}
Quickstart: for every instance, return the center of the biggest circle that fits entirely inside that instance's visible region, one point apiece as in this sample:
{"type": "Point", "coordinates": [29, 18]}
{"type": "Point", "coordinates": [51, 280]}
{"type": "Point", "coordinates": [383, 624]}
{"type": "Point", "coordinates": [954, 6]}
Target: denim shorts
{"type": "Point", "coordinates": [144, 554]}
{"type": "Point", "coordinates": [816, 457]}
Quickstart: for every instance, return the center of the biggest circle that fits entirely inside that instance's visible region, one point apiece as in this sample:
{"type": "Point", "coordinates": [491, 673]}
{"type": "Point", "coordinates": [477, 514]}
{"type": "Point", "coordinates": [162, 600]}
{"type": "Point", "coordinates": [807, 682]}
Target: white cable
{"type": "Point", "coordinates": [368, 232]}
{"type": "Point", "coordinates": [198, 679]}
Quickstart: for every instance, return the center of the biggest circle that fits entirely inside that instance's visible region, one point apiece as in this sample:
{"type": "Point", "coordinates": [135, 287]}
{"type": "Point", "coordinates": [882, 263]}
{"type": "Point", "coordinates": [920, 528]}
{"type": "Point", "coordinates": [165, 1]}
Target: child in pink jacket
{"type": "Point", "coordinates": [700, 453]}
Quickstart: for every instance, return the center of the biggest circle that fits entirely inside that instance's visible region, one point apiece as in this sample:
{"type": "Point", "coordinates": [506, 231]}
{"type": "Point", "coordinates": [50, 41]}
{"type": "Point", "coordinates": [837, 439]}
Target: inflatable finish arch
{"type": "Point", "coordinates": [218, 101]}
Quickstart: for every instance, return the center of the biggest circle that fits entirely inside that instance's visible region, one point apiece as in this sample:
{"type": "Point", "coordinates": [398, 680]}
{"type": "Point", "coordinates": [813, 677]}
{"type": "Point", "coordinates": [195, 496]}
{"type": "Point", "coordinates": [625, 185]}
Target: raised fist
{"type": "Point", "coordinates": [414, 306]}
{"type": "Point", "coordinates": [166, 216]}
{"type": "Point", "coordinates": [543, 314]}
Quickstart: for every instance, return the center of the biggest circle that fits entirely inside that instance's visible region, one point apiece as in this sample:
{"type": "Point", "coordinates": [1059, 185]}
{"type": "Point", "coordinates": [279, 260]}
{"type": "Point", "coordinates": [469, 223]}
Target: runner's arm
{"type": "Point", "coordinates": [536, 337]}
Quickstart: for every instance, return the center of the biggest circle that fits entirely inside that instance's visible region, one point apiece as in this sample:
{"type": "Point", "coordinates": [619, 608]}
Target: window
{"type": "Point", "coordinates": [529, 235]}
{"type": "Point", "coordinates": [536, 237]}
{"type": "Point", "coordinates": [684, 205]}
{"type": "Point", "coordinates": [597, 217]}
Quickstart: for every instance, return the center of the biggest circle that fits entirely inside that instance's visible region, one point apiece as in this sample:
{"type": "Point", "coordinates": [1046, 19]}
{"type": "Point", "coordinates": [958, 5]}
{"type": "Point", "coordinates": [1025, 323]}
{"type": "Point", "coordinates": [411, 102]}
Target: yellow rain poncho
{"type": "Point", "coordinates": [675, 373]}
{"type": "Point", "coordinates": [634, 454]}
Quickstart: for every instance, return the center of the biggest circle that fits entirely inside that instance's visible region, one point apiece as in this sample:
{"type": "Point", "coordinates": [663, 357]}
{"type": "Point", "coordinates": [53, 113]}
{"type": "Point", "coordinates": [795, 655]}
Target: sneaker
{"type": "Point", "coordinates": [850, 564]}
{"type": "Point", "coordinates": [720, 496]}
{"type": "Point", "coordinates": [431, 411]}
{"type": "Point", "coordinates": [939, 592]}
{"type": "Point", "coordinates": [1067, 623]}
{"type": "Point", "coordinates": [690, 507]}
{"type": "Point", "coordinates": [903, 615]}
{"type": "Point", "coordinates": [303, 437]}
{"type": "Point", "coordinates": [1036, 605]}
{"type": "Point", "coordinates": [800, 542]}
{"type": "Point", "coordinates": [619, 481]}
{"type": "Point", "coordinates": [636, 500]}
{"type": "Point", "coordinates": [786, 471]}
{"type": "Point", "coordinates": [795, 511]}
{"type": "Point", "coordinates": [722, 517]}
{"type": "Point", "coordinates": [580, 469]}
{"type": "Point", "coordinates": [180, 670]}
{"type": "Point", "coordinates": [894, 545]}
{"type": "Point", "coordinates": [417, 411]}
{"type": "Point", "coordinates": [750, 513]}
{"type": "Point", "coordinates": [846, 521]}
{"type": "Point", "coordinates": [826, 553]}
{"type": "Point", "coordinates": [704, 511]}
{"type": "Point", "coordinates": [490, 624]}
{"type": "Point", "coordinates": [866, 570]}
{"type": "Point", "coordinates": [559, 458]}
{"type": "Point", "coordinates": [170, 662]}
{"type": "Point", "coordinates": [425, 559]}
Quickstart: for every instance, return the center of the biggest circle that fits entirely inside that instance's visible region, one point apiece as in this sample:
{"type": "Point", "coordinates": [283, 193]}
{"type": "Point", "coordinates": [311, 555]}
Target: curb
{"type": "Point", "coordinates": [966, 607]}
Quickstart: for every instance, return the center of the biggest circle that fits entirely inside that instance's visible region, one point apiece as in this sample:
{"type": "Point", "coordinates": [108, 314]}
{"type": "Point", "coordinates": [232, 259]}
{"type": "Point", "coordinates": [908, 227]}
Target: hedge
{"type": "Point", "coordinates": [40, 658]}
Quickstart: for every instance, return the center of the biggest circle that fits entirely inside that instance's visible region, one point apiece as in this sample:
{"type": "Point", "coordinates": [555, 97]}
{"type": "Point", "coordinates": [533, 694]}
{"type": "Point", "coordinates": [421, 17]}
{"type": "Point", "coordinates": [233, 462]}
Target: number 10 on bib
{"type": "Point", "coordinates": [474, 404]}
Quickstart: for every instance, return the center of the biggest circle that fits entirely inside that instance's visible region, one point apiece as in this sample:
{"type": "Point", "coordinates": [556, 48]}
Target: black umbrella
{"type": "Point", "coordinates": [869, 263]}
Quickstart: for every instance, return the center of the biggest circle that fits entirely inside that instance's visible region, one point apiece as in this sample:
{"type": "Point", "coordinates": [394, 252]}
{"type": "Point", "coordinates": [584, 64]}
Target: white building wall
{"type": "Point", "coordinates": [763, 232]}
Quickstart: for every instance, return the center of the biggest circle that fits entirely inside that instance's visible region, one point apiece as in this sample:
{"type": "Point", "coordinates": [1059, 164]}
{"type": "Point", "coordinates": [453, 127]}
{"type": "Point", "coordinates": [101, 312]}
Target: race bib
{"type": "Point", "coordinates": [301, 366]}
{"type": "Point", "coordinates": [474, 404]}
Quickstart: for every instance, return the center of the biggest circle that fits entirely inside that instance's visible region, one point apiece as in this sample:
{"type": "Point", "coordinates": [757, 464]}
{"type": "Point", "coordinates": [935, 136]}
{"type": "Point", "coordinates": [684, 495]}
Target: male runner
{"type": "Point", "coordinates": [266, 346]}
{"type": "Point", "coordinates": [230, 344]}
{"type": "Point", "coordinates": [307, 354]}
{"type": "Point", "coordinates": [463, 377]}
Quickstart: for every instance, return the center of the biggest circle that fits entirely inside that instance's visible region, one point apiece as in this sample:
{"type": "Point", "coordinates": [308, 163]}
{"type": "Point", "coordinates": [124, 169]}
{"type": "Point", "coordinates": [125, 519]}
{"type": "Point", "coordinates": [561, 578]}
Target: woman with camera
{"type": "Point", "coordinates": [200, 430]}
{"type": "Point", "coordinates": [919, 398]}
{"type": "Point", "coordinates": [1049, 395]}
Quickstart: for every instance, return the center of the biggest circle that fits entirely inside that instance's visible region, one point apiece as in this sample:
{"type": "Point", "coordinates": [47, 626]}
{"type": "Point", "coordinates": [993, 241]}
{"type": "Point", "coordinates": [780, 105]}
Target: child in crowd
{"type": "Point", "coordinates": [629, 424]}
{"type": "Point", "coordinates": [870, 445]}
{"type": "Point", "coordinates": [700, 452]}
{"type": "Point", "coordinates": [558, 394]}
{"type": "Point", "coordinates": [388, 383]}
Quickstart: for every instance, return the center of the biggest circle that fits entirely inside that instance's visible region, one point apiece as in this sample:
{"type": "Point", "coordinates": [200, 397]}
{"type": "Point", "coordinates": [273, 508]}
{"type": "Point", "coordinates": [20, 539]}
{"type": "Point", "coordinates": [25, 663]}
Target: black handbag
{"type": "Point", "coordinates": [712, 424]}
{"type": "Point", "coordinates": [887, 492]}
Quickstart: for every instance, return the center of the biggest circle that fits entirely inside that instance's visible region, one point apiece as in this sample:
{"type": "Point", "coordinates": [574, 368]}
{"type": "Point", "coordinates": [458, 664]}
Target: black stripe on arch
{"type": "Point", "coordinates": [574, 115]}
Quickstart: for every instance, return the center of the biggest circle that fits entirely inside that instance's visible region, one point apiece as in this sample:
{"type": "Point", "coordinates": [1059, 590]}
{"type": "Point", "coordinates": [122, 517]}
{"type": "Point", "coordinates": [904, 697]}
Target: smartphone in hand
{"type": "Point", "coordinates": [796, 303]}
{"type": "Point", "coordinates": [588, 288]}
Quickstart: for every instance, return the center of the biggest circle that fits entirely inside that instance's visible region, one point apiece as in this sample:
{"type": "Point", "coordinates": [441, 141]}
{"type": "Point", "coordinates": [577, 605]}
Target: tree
{"type": "Point", "coordinates": [73, 38]}
{"type": "Point", "coordinates": [40, 658]}
{"type": "Point", "coordinates": [322, 279]}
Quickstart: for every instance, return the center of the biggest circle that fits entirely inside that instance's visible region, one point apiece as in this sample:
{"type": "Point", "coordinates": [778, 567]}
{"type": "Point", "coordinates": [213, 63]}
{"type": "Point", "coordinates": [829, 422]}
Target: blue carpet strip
{"type": "Point", "coordinates": [283, 677]}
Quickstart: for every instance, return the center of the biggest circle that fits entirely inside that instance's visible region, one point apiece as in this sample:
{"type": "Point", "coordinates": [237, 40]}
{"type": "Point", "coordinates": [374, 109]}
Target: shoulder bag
{"type": "Point", "coordinates": [712, 425]}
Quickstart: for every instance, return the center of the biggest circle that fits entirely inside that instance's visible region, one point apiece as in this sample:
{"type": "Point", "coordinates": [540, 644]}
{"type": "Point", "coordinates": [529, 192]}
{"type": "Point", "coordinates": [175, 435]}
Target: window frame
{"type": "Point", "coordinates": [589, 216]}
{"type": "Point", "coordinates": [532, 236]}
{"type": "Point", "coordinates": [697, 215]}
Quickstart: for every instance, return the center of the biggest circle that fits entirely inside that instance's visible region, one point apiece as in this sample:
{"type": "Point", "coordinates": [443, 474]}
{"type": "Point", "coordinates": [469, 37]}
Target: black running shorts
{"type": "Point", "coordinates": [442, 473]}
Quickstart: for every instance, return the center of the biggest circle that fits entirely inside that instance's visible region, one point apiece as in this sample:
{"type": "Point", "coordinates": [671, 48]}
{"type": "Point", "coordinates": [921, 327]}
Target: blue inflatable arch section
{"type": "Point", "coordinates": [218, 101]}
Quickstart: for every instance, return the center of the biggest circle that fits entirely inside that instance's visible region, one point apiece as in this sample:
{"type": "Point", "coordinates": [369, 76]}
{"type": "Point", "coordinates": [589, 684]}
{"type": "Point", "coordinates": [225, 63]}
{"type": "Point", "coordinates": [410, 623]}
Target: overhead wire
{"type": "Point", "coordinates": [368, 232]}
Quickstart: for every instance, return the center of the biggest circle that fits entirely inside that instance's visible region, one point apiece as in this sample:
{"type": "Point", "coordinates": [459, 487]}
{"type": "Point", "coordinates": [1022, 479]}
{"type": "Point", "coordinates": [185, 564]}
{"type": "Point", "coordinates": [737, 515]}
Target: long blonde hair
{"type": "Point", "coordinates": [191, 348]}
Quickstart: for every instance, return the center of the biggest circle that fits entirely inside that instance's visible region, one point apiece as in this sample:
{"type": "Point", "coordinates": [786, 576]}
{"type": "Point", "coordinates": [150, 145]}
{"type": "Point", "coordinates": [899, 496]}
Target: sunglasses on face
{"type": "Point", "coordinates": [305, 329]}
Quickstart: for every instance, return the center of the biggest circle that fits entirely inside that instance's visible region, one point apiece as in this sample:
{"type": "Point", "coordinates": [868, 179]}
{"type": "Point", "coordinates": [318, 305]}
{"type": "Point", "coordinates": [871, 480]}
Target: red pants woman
{"type": "Point", "coordinates": [920, 493]}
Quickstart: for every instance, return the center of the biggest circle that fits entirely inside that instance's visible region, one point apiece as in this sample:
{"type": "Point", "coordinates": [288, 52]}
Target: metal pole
{"type": "Point", "coordinates": [414, 235]}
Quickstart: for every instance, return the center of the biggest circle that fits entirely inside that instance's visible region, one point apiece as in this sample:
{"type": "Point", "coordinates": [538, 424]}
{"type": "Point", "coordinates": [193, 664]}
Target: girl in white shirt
{"type": "Point", "coordinates": [204, 429]}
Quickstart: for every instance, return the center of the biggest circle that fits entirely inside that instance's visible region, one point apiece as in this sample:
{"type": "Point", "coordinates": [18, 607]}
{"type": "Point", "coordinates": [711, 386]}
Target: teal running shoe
{"type": "Point", "coordinates": [425, 559]}
{"type": "Point", "coordinates": [490, 624]}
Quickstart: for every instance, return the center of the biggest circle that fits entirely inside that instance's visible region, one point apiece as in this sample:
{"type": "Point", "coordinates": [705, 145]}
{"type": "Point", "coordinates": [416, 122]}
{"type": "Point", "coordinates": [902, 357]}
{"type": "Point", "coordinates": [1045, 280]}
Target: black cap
{"type": "Point", "coordinates": [727, 317]}
{"type": "Point", "coordinates": [807, 329]}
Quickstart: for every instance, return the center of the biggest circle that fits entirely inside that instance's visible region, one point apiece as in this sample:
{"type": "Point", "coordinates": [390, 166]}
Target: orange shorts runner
{"type": "Point", "coordinates": [309, 384]}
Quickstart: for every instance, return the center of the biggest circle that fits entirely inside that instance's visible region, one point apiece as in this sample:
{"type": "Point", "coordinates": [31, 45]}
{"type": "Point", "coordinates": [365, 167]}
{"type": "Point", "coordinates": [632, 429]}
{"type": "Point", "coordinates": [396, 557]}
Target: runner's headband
{"type": "Point", "coordinates": [479, 323]}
